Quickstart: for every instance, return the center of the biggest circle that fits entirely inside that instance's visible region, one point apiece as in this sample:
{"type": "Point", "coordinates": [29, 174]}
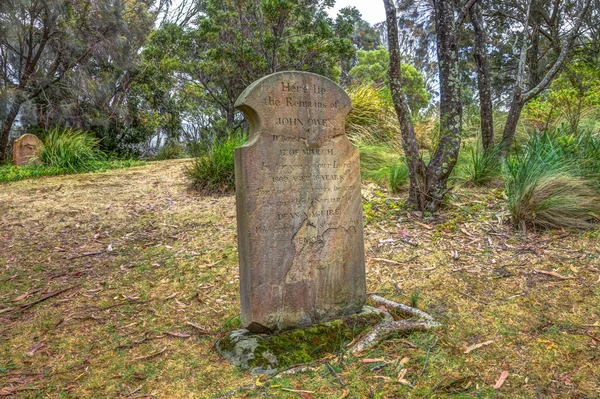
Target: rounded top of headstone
{"type": "Point", "coordinates": [28, 137]}
{"type": "Point", "coordinates": [295, 104]}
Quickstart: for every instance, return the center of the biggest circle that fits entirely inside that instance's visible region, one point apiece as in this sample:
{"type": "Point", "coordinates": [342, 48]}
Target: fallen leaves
{"type": "Point", "coordinates": [553, 274]}
{"type": "Point", "coordinates": [477, 346]}
{"type": "Point", "coordinates": [501, 379]}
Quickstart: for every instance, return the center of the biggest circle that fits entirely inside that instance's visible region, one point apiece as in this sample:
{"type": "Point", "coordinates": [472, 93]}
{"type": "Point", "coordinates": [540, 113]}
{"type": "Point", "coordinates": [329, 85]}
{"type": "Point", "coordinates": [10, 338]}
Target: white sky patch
{"type": "Point", "coordinates": [372, 10]}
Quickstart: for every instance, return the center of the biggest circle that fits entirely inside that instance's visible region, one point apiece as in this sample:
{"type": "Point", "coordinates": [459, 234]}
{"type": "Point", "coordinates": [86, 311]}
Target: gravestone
{"type": "Point", "coordinates": [26, 150]}
{"type": "Point", "coordinates": [299, 213]}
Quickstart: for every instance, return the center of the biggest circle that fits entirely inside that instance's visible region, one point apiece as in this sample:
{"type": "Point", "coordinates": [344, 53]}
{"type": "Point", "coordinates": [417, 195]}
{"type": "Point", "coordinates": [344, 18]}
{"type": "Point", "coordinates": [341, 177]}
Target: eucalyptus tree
{"type": "Point", "coordinates": [69, 58]}
{"type": "Point", "coordinates": [428, 182]}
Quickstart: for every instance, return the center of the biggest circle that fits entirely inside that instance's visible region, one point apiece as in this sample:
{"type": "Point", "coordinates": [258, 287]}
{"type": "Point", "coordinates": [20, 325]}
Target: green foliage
{"type": "Point", "coordinates": [213, 170]}
{"type": "Point", "coordinates": [372, 68]}
{"type": "Point", "coordinates": [572, 96]}
{"type": "Point", "coordinates": [71, 150]}
{"type": "Point", "coordinates": [372, 119]}
{"type": "Point", "coordinates": [483, 167]}
{"type": "Point", "coordinates": [171, 150]}
{"type": "Point", "coordinates": [398, 176]}
{"type": "Point", "coordinates": [552, 183]}
{"type": "Point", "coordinates": [383, 165]}
{"type": "Point", "coordinates": [9, 173]}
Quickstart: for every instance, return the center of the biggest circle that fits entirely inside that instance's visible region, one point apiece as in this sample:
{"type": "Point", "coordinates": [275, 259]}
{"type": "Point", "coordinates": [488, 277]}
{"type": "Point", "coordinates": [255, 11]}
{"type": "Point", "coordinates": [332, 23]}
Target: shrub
{"type": "Point", "coordinates": [549, 186]}
{"type": "Point", "coordinates": [70, 149]}
{"type": "Point", "coordinates": [170, 150]}
{"type": "Point", "coordinates": [213, 171]}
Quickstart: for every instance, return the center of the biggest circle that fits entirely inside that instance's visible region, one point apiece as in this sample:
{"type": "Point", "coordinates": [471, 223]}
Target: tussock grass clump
{"type": "Point", "coordinates": [214, 170]}
{"type": "Point", "coordinates": [483, 167]}
{"type": "Point", "coordinates": [383, 165]}
{"type": "Point", "coordinates": [170, 150]}
{"type": "Point", "coordinates": [551, 185]}
{"type": "Point", "coordinates": [70, 149]}
{"type": "Point", "coordinates": [372, 119]}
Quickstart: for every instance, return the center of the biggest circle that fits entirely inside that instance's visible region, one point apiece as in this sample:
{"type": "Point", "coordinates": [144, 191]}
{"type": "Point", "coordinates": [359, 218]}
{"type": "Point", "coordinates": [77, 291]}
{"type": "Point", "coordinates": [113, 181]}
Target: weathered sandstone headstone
{"type": "Point", "coordinates": [299, 213]}
{"type": "Point", "coordinates": [26, 150]}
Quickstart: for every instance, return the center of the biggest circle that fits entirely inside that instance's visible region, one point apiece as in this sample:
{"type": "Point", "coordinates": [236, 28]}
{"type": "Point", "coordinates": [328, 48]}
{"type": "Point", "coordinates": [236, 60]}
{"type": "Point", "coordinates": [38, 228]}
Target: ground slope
{"type": "Point", "coordinates": [117, 285]}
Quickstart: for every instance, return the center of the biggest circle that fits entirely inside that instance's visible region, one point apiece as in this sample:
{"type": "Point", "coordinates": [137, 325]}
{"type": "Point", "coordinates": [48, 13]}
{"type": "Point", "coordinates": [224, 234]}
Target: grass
{"type": "Point", "coordinates": [383, 165]}
{"type": "Point", "coordinates": [552, 182]}
{"type": "Point", "coordinates": [70, 149]}
{"type": "Point", "coordinates": [162, 256]}
{"type": "Point", "coordinates": [11, 173]}
{"type": "Point", "coordinates": [214, 170]}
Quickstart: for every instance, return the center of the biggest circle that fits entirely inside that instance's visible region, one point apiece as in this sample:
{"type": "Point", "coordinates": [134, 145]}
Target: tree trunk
{"type": "Point", "coordinates": [446, 153]}
{"type": "Point", "coordinates": [6, 127]}
{"type": "Point", "coordinates": [483, 80]}
{"type": "Point", "coordinates": [514, 113]}
{"type": "Point", "coordinates": [417, 171]}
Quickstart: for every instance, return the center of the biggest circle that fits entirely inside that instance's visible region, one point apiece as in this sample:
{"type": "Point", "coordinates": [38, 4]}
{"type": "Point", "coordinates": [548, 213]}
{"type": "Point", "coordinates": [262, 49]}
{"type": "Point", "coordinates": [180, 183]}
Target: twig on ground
{"type": "Point", "coordinates": [160, 352]}
{"type": "Point", "coordinates": [83, 255]}
{"type": "Point", "coordinates": [234, 391]}
{"type": "Point", "coordinates": [400, 308]}
{"type": "Point", "coordinates": [201, 330]}
{"type": "Point", "coordinates": [42, 299]}
{"type": "Point", "coordinates": [429, 348]}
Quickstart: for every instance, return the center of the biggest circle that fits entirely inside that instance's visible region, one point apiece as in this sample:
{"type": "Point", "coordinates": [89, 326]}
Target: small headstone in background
{"type": "Point", "coordinates": [26, 150]}
{"type": "Point", "coordinates": [299, 213]}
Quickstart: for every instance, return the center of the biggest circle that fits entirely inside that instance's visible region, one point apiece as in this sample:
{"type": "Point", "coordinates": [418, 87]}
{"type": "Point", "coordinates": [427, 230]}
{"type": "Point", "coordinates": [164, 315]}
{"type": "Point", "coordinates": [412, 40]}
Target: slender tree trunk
{"type": "Point", "coordinates": [417, 171]}
{"type": "Point", "coordinates": [446, 154]}
{"type": "Point", "coordinates": [514, 113]}
{"type": "Point", "coordinates": [483, 80]}
{"type": "Point", "coordinates": [6, 127]}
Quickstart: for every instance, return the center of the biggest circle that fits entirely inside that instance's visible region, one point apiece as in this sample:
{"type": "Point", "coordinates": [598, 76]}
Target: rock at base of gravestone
{"type": "Point", "coordinates": [26, 150]}
{"type": "Point", "coordinates": [298, 199]}
{"type": "Point", "coordinates": [261, 354]}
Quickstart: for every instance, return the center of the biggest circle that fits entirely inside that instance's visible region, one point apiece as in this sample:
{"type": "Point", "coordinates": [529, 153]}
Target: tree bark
{"type": "Point", "coordinates": [483, 80]}
{"type": "Point", "coordinates": [417, 171]}
{"type": "Point", "coordinates": [446, 153]}
{"type": "Point", "coordinates": [6, 126]}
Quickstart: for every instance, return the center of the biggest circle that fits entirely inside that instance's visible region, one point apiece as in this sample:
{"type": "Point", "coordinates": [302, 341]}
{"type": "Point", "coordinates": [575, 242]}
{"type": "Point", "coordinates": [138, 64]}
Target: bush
{"type": "Point", "coordinates": [214, 171]}
{"type": "Point", "coordinates": [71, 150]}
{"type": "Point", "coordinates": [170, 151]}
{"type": "Point", "coordinates": [550, 184]}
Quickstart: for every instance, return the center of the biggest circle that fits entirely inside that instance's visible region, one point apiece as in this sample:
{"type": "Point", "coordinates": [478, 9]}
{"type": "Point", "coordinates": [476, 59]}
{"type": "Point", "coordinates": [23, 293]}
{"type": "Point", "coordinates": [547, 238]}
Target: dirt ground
{"type": "Point", "coordinates": [117, 285]}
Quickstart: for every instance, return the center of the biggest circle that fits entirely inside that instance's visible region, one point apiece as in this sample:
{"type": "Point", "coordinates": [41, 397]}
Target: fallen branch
{"type": "Point", "coordinates": [382, 330]}
{"type": "Point", "coordinates": [400, 308]}
{"type": "Point", "coordinates": [42, 299]}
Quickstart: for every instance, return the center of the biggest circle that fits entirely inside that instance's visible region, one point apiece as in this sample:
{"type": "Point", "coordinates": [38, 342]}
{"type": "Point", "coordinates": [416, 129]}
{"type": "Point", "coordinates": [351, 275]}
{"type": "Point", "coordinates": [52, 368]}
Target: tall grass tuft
{"type": "Point", "coordinates": [483, 167]}
{"type": "Point", "coordinates": [550, 183]}
{"type": "Point", "coordinates": [383, 165]}
{"type": "Point", "coordinates": [213, 171]}
{"type": "Point", "coordinates": [372, 120]}
{"type": "Point", "coordinates": [171, 150]}
{"type": "Point", "coordinates": [70, 149]}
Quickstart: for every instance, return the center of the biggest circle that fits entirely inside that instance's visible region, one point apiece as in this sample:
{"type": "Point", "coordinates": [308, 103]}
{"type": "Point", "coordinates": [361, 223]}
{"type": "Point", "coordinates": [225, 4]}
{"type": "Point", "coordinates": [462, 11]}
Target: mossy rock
{"type": "Point", "coordinates": [268, 354]}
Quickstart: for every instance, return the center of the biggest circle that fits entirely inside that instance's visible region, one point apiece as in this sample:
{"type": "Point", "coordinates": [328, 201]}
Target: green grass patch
{"type": "Point", "coordinates": [214, 169]}
{"type": "Point", "coordinates": [9, 173]}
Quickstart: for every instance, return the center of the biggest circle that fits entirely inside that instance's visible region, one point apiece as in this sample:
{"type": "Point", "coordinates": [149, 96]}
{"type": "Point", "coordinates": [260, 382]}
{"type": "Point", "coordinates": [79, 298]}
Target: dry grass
{"type": "Point", "coordinates": [173, 260]}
